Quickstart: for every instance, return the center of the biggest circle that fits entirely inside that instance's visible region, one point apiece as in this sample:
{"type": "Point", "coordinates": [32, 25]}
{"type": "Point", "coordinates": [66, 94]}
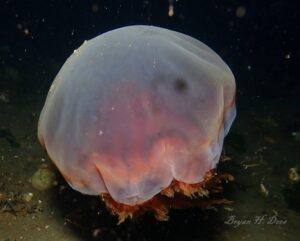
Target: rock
{"type": "Point", "coordinates": [27, 197]}
{"type": "Point", "coordinates": [43, 179]}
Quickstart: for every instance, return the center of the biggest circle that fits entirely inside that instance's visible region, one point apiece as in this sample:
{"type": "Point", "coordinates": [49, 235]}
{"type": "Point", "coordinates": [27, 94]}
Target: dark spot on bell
{"type": "Point", "coordinates": [181, 85]}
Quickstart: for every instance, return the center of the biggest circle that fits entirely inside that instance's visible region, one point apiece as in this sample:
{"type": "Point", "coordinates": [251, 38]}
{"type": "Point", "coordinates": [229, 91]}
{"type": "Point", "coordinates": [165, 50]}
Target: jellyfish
{"type": "Point", "coordinates": [138, 116]}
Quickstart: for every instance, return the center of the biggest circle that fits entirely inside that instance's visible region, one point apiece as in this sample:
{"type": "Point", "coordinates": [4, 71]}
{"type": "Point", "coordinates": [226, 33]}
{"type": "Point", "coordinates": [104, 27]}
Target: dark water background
{"type": "Point", "coordinates": [262, 49]}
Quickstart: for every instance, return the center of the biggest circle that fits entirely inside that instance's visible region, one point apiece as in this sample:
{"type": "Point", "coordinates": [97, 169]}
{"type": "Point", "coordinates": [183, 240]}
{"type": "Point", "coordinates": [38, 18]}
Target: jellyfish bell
{"type": "Point", "coordinates": [138, 116]}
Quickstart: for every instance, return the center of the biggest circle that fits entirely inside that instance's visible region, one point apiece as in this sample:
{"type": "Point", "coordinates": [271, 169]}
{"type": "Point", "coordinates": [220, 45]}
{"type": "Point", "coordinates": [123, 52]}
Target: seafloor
{"type": "Point", "coordinates": [263, 145]}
